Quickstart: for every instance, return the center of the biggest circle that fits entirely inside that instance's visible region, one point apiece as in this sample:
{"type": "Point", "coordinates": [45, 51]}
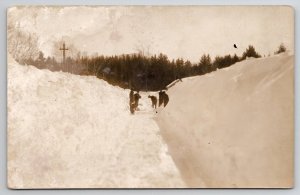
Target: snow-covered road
{"type": "Point", "coordinates": [72, 131]}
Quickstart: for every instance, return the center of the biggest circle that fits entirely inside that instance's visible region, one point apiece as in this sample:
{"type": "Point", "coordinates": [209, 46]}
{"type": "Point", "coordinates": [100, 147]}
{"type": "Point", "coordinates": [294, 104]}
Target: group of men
{"type": "Point", "coordinates": [163, 98]}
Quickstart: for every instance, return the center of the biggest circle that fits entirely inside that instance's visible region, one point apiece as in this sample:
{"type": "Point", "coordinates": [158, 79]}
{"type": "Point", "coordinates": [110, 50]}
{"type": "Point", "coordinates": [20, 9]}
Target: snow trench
{"type": "Point", "coordinates": [230, 128]}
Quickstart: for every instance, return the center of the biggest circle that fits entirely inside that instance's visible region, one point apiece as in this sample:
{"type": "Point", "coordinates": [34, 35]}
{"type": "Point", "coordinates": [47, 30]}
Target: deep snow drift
{"type": "Point", "coordinates": [234, 127]}
{"type": "Point", "coordinates": [72, 131]}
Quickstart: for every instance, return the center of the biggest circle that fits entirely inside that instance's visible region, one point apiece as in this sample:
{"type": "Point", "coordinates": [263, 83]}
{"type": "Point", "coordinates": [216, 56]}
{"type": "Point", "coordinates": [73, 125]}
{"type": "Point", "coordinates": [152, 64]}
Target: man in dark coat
{"type": "Point", "coordinates": [131, 101]}
{"type": "Point", "coordinates": [160, 98]}
{"type": "Point", "coordinates": [136, 100]}
{"type": "Point", "coordinates": [153, 100]}
{"type": "Point", "coordinates": [131, 94]}
{"type": "Point", "coordinates": [166, 98]}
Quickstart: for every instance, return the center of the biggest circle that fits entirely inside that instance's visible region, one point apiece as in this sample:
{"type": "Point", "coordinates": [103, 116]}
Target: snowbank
{"type": "Point", "coordinates": [67, 131]}
{"type": "Point", "coordinates": [233, 127]}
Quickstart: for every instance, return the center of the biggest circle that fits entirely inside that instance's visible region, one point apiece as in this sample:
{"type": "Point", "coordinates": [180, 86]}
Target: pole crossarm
{"type": "Point", "coordinates": [64, 49]}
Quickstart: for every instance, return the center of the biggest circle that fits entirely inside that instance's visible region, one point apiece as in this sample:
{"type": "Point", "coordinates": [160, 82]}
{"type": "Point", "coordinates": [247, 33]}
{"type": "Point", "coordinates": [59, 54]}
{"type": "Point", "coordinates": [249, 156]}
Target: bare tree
{"type": "Point", "coordinates": [21, 45]}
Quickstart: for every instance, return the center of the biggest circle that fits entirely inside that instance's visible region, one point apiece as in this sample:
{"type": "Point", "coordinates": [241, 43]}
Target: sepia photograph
{"type": "Point", "coordinates": [150, 97]}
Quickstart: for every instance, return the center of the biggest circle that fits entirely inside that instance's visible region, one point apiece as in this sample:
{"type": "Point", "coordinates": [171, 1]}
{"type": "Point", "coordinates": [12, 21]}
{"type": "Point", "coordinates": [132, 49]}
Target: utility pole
{"type": "Point", "coordinates": [64, 53]}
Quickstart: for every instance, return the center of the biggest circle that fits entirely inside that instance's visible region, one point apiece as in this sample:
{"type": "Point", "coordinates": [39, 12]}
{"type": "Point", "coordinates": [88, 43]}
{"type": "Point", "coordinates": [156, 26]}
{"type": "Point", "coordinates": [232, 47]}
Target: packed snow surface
{"type": "Point", "coordinates": [68, 131]}
{"type": "Point", "coordinates": [234, 127]}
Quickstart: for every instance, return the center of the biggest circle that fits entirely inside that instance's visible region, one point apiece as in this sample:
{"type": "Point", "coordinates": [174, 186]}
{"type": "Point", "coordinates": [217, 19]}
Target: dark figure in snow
{"type": "Point", "coordinates": [153, 100]}
{"type": "Point", "coordinates": [136, 100]}
{"type": "Point", "coordinates": [131, 101]}
{"type": "Point", "coordinates": [131, 94]}
{"type": "Point", "coordinates": [165, 98]}
{"type": "Point", "coordinates": [160, 98]}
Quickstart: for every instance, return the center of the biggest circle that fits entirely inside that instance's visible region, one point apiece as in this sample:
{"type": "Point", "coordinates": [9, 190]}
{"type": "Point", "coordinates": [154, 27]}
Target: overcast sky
{"type": "Point", "coordinates": [186, 32]}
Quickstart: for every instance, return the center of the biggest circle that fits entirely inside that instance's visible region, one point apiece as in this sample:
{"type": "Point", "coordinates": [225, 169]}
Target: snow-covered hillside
{"type": "Point", "coordinates": [233, 127]}
{"type": "Point", "coordinates": [72, 131]}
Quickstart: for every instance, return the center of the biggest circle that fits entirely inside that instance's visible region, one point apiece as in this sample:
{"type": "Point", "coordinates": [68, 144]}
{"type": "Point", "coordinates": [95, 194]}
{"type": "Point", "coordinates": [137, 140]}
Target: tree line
{"type": "Point", "coordinates": [140, 72]}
